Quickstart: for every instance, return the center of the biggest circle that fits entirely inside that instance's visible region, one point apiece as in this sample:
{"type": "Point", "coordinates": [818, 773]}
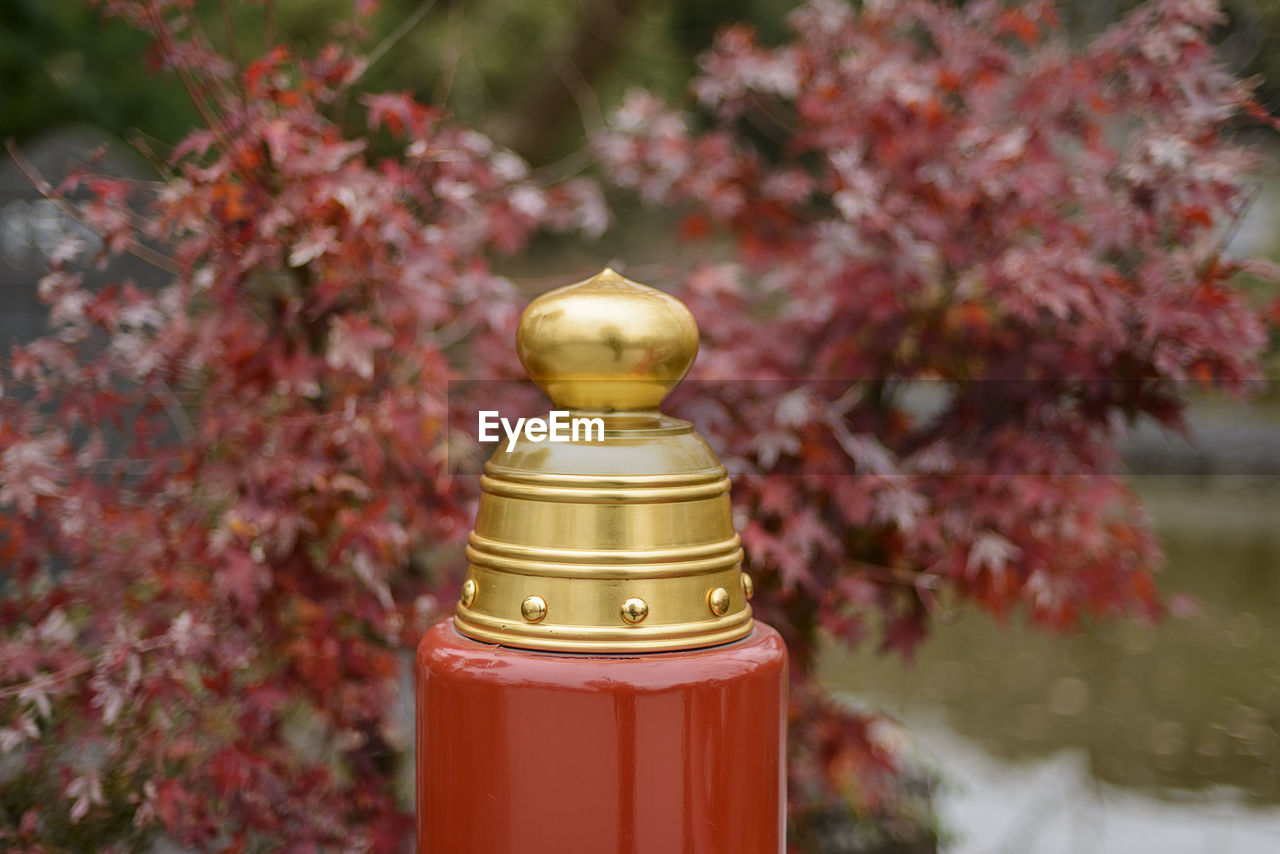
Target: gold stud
{"type": "Point", "coordinates": [635, 610]}
{"type": "Point", "coordinates": [718, 601]}
{"type": "Point", "coordinates": [748, 586]}
{"type": "Point", "coordinates": [468, 593]}
{"type": "Point", "coordinates": [534, 608]}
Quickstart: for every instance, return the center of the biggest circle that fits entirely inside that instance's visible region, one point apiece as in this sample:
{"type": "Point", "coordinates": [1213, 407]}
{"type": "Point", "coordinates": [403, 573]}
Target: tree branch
{"type": "Point", "coordinates": [556, 92]}
{"type": "Point", "coordinates": [44, 188]}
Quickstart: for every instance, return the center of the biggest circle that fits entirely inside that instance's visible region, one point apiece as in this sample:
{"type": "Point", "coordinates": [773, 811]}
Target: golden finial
{"type": "Point", "coordinates": [619, 543]}
{"type": "Point", "coordinates": [607, 343]}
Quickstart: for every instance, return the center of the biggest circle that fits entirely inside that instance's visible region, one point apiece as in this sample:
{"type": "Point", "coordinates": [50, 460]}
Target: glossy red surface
{"type": "Point", "coordinates": [536, 752]}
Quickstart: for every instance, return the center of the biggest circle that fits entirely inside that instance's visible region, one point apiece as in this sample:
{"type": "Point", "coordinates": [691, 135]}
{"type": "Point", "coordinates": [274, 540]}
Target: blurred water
{"type": "Point", "coordinates": [1054, 805]}
{"type": "Point", "coordinates": [1120, 736]}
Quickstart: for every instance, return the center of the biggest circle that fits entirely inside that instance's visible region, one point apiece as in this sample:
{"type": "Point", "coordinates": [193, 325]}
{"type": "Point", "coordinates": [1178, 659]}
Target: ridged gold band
{"type": "Point", "coordinates": [588, 571]}
{"type": "Point", "coordinates": [604, 556]}
{"type": "Point", "coordinates": [583, 596]}
{"type": "Point", "coordinates": [621, 481]}
{"type": "Point", "coordinates": [605, 495]}
{"type": "Point", "coordinates": [605, 639]}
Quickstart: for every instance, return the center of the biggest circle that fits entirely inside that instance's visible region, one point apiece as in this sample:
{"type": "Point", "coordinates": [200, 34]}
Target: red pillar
{"type": "Point", "coordinates": [528, 752]}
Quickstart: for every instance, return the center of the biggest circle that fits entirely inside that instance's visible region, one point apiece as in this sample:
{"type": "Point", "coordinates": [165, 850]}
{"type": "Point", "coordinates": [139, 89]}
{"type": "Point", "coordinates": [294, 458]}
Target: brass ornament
{"type": "Point", "coordinates": [468, 595]}
{"type": "Point", "coordinates": [534, 609]}
{"type": "Point", "coordinates": [718, 601]}
{"type": "Point", "coordinates": [634, 610]}
{"type": "Point", "coordinates": [607, 344]}
{"type": "Point", "coordinates": [748, 586]}
{"type": "Point", "coordinates": [643, 516]}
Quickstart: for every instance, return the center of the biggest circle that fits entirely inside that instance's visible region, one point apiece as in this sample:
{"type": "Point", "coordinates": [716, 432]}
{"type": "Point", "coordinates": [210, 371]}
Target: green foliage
{"type": "Point", "coordinates": [59, 62]}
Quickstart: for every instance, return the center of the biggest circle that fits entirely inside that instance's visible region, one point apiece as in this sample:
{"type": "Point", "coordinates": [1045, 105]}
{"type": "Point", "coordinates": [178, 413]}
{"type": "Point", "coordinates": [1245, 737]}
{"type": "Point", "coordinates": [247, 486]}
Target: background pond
{"type": "Point", "coordinates": [1120, 736]}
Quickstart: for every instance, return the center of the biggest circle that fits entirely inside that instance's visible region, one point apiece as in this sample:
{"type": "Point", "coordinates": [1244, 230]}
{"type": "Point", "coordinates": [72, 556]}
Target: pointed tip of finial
{"type": "Point", "coordinates": [611, 278]}
{"type": "Point", "coordinates": [607, 343]}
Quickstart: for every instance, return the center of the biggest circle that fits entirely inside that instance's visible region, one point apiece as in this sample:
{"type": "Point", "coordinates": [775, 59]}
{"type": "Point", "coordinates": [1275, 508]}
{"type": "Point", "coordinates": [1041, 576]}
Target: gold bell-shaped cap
{"type": "Point", "coordinates": [623, 543]}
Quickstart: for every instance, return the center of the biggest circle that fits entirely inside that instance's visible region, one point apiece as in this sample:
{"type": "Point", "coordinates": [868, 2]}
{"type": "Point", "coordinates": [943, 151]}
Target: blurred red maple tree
{"type": "Point", "coordinates": [920, 194]}
{"type": "Point", "coordinates": [225, 502]}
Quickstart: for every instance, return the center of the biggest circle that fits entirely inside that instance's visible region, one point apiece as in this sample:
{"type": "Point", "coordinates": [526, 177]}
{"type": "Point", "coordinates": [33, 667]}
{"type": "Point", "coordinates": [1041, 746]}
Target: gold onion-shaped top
{"type": "Point", "coordinates": [623, 543]}
{"type": "Point", "coordinates": [607, 344]}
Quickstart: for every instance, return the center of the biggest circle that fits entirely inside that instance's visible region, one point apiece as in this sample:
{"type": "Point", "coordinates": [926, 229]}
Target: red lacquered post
{"type": "Point", "coordinates": [603, 686]}
{"type": "Point", "coordinates": [539, 753]}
